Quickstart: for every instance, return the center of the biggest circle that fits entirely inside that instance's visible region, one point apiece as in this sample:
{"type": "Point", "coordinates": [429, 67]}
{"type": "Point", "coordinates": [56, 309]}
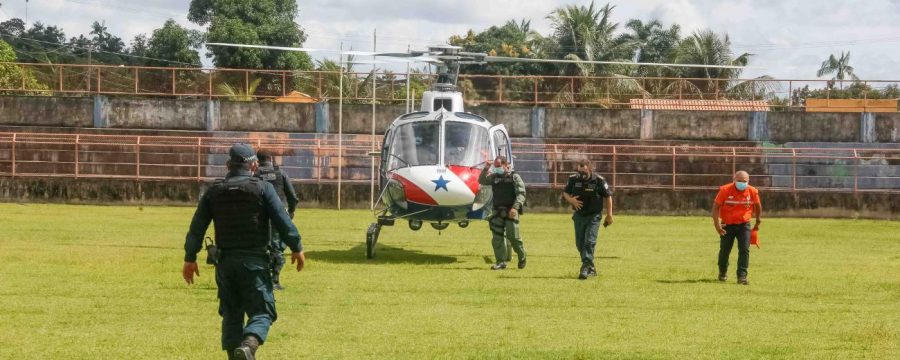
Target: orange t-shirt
{"type": "Point", "coordinates": [736, 206]}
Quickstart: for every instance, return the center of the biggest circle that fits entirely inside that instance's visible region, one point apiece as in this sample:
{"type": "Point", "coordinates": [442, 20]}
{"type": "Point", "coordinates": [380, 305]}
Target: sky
{"type": "Point", "coordinates": [789, 38]}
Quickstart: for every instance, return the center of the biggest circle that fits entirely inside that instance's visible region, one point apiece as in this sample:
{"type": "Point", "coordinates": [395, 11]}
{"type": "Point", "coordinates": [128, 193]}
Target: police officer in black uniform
{"type": "Point", "coordinates": [241, 206]}
{"type": "Point", "coordinates": [269, 172]}
{"type": "Point", "coordinates": [586, 191]}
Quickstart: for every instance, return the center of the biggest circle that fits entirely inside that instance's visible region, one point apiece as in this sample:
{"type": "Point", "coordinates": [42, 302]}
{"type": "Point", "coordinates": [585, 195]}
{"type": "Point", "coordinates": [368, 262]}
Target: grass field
{"type": "Point", "coordinates": [87, 282]}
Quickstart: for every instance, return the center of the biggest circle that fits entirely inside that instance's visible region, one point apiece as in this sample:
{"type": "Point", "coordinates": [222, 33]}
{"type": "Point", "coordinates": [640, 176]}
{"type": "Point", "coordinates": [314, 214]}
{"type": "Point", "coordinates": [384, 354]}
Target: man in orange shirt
{"type": "Point", "coordinates": [735, 204]}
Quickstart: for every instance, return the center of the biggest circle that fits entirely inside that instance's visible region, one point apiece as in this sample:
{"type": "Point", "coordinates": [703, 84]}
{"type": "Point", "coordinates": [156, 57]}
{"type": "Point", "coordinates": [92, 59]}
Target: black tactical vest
{"type": "Point", "coordinates": [238, 215]}
{"type": "Point", "coordinates": [590, 191]}
{"type": "Point", "coordinates": [504, 189]}
{"type": "Point", "coordinates": [274, 176]}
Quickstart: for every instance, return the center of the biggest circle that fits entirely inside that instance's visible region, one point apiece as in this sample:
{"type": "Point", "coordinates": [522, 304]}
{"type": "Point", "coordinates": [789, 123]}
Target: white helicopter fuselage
{"type": "Point", "coordinates": [431, 161]}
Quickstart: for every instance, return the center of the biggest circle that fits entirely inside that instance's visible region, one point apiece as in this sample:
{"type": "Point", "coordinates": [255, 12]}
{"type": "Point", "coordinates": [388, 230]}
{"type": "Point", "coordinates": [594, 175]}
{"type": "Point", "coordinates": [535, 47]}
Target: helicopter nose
{"type": "Point", "coordinates": [434, 185]}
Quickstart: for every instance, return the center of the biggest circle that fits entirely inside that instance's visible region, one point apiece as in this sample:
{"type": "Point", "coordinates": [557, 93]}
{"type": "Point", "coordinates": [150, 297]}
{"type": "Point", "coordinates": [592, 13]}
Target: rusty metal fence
{"type": "Point", "coordinates": [316, 160]}
{"type": "Point", "coordinates": [606, 92]}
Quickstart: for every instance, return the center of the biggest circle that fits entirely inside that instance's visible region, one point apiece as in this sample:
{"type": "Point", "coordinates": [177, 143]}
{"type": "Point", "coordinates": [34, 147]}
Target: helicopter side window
{"type": "Point", "coordinates": [415, 144]}
{"type": "Point", "coordinates": [465, 144]}
{"type": "Point", "coordinates": [502, 144]}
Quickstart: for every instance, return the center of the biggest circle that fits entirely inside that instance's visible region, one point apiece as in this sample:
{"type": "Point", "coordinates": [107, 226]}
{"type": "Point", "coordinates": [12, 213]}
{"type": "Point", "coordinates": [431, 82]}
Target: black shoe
{"type": "Point", "coordinates": [277, 286]}
{"type": "Point", "coordinates": [243, 353]}
{"type": "Point", "coordinates": [743, 281]}
{"type": "Point", "coordinates": [522, 263]}
{"type": "Point", "coordinates": [247, 350]}
{"type": "Point", "coordinates": [499, 266]}
{"type": "Point", "coordinates": [723, 277]}
{"type": "Point", "coordinates": [583, 274]}
{"type": "Point", "coordinates": [592, 271]}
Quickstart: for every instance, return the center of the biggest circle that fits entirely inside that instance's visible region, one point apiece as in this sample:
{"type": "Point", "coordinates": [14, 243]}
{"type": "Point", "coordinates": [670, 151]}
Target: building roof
{"type": "Point", "coordinates": [699, 105]}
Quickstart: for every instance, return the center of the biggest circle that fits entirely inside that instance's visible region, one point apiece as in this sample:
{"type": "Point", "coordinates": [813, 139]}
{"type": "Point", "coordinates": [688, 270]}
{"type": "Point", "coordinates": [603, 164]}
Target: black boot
{"type": "Point", "coordinates": [247, 350]}
{"type": "Point", "coordinates": [583, 273]}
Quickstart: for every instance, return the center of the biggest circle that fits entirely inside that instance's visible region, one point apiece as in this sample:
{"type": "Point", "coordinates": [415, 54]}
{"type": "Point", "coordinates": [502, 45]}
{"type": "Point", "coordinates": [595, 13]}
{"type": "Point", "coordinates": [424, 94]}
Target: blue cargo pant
{"type": "Point", "coordinates": [245, 289]}
{"type": "Point", "coordinates": [586, 229]}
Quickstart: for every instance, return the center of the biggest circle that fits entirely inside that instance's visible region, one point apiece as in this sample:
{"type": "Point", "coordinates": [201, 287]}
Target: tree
{"type": "Point", "coordinates": [138, 49]}
{"type": "Point", "coordinates": [586, 33]}
{"type": "Point", "coordinates": [705, 47]}
{"type": "Point", "coordinates": [15, 76]}
{"type": "Point", "coordinates": [840, 67]}
{"type": "Point", "coordinates": [171, 45]}
{"type": "Point", "coordinates": [101, 47]}
{"type": "Point", "coordinates": [259, 22]}
{"type": "Point", "coordinates": [12, 27]}
{"type": "Point", "coordinates": [650, 42]}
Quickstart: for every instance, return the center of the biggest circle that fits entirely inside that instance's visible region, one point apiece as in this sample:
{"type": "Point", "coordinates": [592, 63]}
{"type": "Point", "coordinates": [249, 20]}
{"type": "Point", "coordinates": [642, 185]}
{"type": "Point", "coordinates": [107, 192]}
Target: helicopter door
{"type": "Point", "coordinates": [500, 142]}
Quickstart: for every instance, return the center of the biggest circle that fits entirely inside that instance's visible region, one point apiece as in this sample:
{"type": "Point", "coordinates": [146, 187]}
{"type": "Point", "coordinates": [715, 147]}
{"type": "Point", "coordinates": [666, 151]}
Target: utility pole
{"type": "Point", "coordinates": [90, 49]}
{"type": "Point", "coordinates": [374, 90]}
{"type": "Point", "coordinates": [340, 126]}
{"type": "Point", "coordinates": [408, 107]}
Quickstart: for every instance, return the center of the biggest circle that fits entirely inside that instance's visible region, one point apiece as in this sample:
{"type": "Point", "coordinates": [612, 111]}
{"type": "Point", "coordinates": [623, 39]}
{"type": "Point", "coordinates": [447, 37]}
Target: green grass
{"type": "Point", "coordinates": [79, 282]}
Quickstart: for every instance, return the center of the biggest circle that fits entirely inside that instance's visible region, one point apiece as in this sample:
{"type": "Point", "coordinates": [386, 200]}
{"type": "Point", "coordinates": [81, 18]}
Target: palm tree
{"type": "Point", "coordinates": [234, 93]}
{"type": "Point", "coordinates": [649, 42]}
{"type": "Point", "coordinates": [586, 33]}
{"type": "Point", "coordinates": [708, 48]}
{"type": "Point", "coordinates": [840, 67]}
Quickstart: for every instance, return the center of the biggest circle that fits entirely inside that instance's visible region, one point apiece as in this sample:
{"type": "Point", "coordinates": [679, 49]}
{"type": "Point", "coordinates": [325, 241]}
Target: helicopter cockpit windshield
{"type": "Point", "coordinates": [466, 144]}
{"type": "Point", "coordinates": [415, 144]}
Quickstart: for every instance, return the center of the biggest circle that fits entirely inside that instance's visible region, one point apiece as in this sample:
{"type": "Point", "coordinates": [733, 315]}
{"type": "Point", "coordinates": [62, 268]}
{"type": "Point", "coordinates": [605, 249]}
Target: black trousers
{"type": "Point", "coordinates": [740, 232]}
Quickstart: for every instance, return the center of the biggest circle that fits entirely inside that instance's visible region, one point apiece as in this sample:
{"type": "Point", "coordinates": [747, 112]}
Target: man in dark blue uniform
{"type": "Point", "coordinates": [240, 207]}
{"type": "Point", "coordinates": [586, 191]}
{"type": "Point", "coordinates": [269, 172]}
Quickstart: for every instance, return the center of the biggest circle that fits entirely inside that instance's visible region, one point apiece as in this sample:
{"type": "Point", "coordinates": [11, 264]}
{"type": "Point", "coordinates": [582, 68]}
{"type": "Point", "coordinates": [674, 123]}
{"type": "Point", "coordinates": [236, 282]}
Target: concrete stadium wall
{"type": "Point", "coordinates": [46, 111]}
{"type": "Point", "coordinates": [523, 122]}
{"type": "Point", "coordinates": [657, 202]}
{"type": "Point", "coordinates": [263, 116]}
{"type": "Point", "coordinates": [125, 113]}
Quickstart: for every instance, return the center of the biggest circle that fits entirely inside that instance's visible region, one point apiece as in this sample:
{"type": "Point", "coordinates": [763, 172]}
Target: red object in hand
{"type": "Point", "coordinates": [754, 238]}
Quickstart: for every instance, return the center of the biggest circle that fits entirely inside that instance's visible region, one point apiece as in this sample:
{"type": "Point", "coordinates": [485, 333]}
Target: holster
{"type": "Point", "coordinates": [212, 252]}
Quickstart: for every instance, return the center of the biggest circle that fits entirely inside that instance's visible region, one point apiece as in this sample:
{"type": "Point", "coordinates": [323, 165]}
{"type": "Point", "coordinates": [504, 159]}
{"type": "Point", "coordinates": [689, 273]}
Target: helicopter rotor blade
{"type": "Point", "coordinates": [563, 61]}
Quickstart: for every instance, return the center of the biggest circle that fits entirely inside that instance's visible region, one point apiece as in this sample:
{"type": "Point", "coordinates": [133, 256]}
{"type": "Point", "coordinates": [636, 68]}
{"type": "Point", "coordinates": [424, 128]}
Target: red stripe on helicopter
{"type": "Point", "coordinates": [414, 193]}
{"type": "Point", "coordinates": [468, 175]}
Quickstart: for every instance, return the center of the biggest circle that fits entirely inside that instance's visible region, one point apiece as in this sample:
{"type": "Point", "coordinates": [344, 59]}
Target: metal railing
{"type": "Point", "coordinates": [607, 92]}
{"type": "Point", "coordinates": [315, 160]}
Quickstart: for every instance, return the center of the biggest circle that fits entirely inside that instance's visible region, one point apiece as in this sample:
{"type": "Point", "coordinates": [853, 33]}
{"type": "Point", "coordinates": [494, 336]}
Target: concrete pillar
{"type": "Point", "coordinates": [212, 115]}
{"type": "Point", "coordinates": [646, 124]}
{"type": "Point", "coordinates": [758, 126]}
{"type": "Point", "coordinates": [322, 117]}
{"type": "Point", "coordinates": [867, 128]}
{"type": "Point", "coordinates": [538, 114]}
{"type": "Point", "coordinates": [101, 111]}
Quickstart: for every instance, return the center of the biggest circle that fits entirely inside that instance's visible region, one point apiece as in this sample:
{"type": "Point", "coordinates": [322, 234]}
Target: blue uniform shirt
{"type": "Point", "coordinates": [281, 221]}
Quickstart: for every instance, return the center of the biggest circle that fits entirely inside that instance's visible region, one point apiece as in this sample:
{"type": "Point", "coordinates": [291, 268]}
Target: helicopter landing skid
{"type": "Point", "coordinates": [373, 232]}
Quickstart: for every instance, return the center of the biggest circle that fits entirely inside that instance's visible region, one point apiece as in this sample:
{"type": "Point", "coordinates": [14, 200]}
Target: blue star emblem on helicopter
{"type": "Point", "coordinates": [440, 183]}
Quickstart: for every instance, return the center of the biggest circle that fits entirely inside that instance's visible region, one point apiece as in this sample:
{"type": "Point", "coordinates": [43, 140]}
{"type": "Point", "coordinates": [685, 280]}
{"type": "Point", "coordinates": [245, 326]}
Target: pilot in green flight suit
{"type": "Point", "coordinates": [509, 197]}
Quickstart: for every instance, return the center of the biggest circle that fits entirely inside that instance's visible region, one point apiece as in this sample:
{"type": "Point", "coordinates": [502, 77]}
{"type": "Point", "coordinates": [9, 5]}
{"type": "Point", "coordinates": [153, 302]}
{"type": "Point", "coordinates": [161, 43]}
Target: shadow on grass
{"type": "Point", "coordinates": [689, 281]}
{"type": "Point", "coordinates": [383, 255]}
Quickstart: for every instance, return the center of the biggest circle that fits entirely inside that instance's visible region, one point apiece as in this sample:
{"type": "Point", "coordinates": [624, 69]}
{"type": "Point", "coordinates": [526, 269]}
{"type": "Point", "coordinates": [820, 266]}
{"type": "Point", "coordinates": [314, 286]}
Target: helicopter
{"type": "Point", "coordinates": [431, 159]}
